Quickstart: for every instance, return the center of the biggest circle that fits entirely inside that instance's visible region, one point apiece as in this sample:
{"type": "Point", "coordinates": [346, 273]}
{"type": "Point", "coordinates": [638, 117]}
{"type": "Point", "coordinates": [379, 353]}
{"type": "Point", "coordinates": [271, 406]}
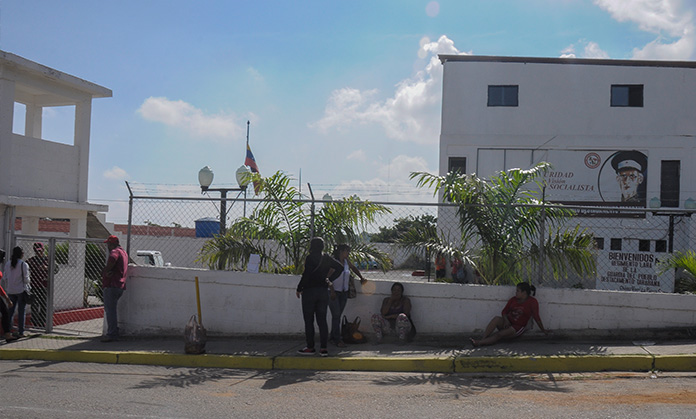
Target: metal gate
{"type": "Point", "coordinates": [65, 278]}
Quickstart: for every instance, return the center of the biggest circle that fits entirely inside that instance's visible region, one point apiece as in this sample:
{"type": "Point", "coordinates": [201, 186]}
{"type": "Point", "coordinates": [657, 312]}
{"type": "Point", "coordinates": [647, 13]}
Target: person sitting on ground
{"type": "Point", "coordinates": [395, 316]}
{"type": "Point", "coordinates": [516, 315]}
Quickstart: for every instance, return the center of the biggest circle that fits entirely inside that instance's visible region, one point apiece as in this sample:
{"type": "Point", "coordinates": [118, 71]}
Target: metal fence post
{"type": "Point", "coordinates": [130, 218]}
{"type": "Point", "coordinates": [542, 235]}
{"type": "Point", "coordinates": [51, 284]}
{"type": "Point", "coordinates": [311, 212]}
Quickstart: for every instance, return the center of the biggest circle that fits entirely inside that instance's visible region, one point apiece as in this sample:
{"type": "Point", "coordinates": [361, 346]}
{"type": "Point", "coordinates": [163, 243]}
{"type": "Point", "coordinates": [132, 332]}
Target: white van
{"type": "Point", "coordinates": [151, 257]}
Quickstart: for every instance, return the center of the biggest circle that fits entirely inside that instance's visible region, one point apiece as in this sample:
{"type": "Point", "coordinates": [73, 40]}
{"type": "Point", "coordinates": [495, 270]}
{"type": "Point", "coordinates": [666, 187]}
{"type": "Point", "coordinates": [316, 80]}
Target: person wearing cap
{"type": "Point", "coordinates": [629, 167]}
{"type": "Point", "coordinates": [113, 283]}
{"type": "Point", "coordinates": [38, 267]}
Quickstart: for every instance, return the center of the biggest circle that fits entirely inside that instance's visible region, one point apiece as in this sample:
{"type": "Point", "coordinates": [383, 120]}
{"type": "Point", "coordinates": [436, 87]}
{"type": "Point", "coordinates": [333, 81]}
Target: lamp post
{"type": "Point", "coordinates": [205, 179]}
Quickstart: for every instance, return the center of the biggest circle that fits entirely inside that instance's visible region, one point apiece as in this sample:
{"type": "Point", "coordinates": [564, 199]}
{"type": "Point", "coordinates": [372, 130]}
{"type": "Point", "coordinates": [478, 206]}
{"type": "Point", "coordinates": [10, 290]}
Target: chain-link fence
{"type": "Point", "coordinates": [622, 248]}
{"type": "Point", "coordinates": [65, 276]}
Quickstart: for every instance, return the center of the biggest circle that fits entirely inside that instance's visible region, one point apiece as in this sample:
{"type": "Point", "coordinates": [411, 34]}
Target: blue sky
{"type": "Point", "coordinates": [348, 93]}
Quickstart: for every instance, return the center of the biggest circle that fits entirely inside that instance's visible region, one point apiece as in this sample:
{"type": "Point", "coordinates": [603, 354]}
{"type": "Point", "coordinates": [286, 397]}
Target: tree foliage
{"type": "Point", "coordinates": [403, 226]}
{"type": "Point", "coordinates": [280, 229]}
{"type": "Point", "coordinates": [501, 221]}
{"type": "Point", "coordinates": [681, 260]}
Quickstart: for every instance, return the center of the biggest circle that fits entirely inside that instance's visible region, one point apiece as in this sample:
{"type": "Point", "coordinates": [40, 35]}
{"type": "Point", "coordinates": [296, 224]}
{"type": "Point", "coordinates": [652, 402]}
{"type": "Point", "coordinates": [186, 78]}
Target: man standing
{"type": "Point", "coordinates": [113, 283]}
{"type": "Point", "coordinates": [38, 268]}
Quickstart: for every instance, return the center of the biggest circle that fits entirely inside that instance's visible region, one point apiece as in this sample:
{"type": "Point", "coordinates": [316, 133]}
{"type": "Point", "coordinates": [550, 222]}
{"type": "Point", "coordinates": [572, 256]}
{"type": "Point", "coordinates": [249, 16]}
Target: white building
{"type": "Point", "coordinates": [599, 122]}
{"type": "Point", "coordinates": [40, 178]}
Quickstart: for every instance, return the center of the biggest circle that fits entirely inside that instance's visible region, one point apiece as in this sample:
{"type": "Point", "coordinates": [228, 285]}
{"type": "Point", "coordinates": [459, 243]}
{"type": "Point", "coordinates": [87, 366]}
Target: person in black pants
{"type": "Point", "coordinates": [315, 298]}
{"type": "Point", "coordinates": [5, 305]}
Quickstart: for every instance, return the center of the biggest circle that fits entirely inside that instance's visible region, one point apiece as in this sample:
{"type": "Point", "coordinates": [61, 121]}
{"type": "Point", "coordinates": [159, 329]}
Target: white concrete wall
{"type": "Point", "coordinates": [161, 300]}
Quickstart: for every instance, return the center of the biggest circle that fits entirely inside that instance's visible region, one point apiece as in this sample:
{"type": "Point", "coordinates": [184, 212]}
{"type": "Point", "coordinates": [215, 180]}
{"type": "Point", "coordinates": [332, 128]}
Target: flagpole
{"type": "Point", "coordinates": [245, 189]}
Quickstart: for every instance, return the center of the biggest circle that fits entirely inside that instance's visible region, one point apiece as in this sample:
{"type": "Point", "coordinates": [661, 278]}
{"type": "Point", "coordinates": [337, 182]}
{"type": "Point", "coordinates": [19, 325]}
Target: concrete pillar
{"type": "Point", "coordinates": [83, 116]}
{"type": "Point", "coordinates": [33, 121]}
{"type": "Point", "coordinates": [7, 96]}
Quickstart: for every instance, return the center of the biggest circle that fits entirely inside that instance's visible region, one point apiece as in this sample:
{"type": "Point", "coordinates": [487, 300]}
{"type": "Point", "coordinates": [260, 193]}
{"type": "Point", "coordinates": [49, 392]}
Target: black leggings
{"type": "Point", "coordinates": [6, 325]}
{"type": "Point", "coordinates": [315, 302]}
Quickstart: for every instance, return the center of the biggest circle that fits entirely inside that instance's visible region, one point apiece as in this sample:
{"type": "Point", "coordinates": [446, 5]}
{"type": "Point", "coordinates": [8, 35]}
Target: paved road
{"type": "Point", "coordinates": [36, 389]}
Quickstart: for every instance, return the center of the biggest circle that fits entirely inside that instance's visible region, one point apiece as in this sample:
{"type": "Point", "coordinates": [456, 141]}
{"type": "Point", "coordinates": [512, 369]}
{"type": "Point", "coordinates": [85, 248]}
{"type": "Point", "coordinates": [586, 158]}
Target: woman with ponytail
{"type": "Point", "coordinates": [516, 315]}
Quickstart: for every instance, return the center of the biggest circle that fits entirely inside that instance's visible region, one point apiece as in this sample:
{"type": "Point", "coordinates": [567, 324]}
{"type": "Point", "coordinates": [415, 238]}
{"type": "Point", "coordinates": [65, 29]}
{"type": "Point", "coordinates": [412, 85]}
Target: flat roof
{"type": "Point", "coordinates": [575, 61]}
{"type": "Point", "coordinates": [12, 60]}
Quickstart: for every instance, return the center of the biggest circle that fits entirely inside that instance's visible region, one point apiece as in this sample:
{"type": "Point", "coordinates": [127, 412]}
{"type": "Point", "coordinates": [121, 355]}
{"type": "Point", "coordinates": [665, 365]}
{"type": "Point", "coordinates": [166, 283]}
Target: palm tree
{"type": "Point", "coordinates": [681, 260]}
{"type": "Point", "coordinates": [506, 217]}
{"type": "Point", "coordinates": [280, 229]}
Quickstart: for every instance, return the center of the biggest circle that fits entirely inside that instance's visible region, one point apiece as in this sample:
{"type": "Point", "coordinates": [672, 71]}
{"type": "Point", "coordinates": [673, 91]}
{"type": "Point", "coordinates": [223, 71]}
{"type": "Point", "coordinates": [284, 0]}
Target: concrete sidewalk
{"type": "Point", "coordinates": [526, 355]}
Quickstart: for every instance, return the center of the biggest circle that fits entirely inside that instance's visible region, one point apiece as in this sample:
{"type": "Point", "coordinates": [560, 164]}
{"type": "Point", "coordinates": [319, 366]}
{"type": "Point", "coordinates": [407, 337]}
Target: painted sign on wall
{"type": "Point", "coordinates": [615, 178]}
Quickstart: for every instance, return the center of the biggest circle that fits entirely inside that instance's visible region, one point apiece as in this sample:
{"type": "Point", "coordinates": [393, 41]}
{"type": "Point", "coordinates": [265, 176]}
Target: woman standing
{"type": "Point", "coordinates": [341, 279]}
{"type": "Point", "coordinates": [395, 315]}
{"type": "Point", "coordinates": [313, 288]}
{"type": "Point", "coordinates": [5, 305]}
{"type": "Point", "coordinates": [516, 315]}
{"type": "Point", "coordinates": [17, 283]}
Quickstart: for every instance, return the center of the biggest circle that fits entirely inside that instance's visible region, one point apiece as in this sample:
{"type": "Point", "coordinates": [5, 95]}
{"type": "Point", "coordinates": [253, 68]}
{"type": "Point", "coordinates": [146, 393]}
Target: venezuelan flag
{"type": "Point", "coordinates": [250, 161]}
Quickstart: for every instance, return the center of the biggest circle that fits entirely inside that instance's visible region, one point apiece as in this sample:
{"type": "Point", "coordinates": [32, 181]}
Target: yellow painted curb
{"type": "Point", "coordinates": [585, 363]}
{"type": "Point", "coordinates": [679, 363]}
{"type": "Point", "coordinates": [60, 356]}
{"type": "Point", "coordinates": [396, 364]}
{"type": "Point", "coordinates": [203, 360]}
{"type": "Point", "coordinates": [140, 358]}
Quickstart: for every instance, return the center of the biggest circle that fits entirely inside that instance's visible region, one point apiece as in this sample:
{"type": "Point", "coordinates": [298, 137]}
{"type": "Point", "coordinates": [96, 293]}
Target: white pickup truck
{"type": "Point", "coordinates": [151, 257]}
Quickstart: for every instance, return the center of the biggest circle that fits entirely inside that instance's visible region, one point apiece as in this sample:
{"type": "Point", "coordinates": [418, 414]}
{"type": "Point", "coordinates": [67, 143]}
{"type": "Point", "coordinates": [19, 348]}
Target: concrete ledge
{"type": "Point", "coordinates": [433, 364]}
{"type": "Point", "coordinates": [587, 363]}
{"type": "Point", "coordinates": [396, 364]}
{"type": "Point", "coordinates": [675, 363]}
{"type": "Point", "coordinates": [60, 356]}
{"type": "Point", "coordinates": [140, 358]}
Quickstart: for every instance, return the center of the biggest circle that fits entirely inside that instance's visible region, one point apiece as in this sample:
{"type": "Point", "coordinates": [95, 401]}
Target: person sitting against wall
{"type": "Point", "coordinates": [395, 316]}
{"type": "Point", "coordinates": [515, 317]}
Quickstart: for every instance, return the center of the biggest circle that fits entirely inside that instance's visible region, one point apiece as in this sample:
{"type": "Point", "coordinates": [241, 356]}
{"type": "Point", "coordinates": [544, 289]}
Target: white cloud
{"type": "Point", "coordinates": [590, 50]}
{"type": "Point", "coordinates": [255, 74]}
{"type": "Point", "coordinates": [671, 20]}
{"type": "Point", "coordinates": [401, 167]}
{"type": "Point", "coordinates": [198, 124]}
{"type": "Point", "coordinates": [411, 114]}
{"type": "Point", "coordinates": [432, 9]}
{"type": "Point", "coordinates": [357, 155]}
{"type": "Point", "coordinates": [391, 183]}
{"type": "Point", "coordinates": [116, 173]}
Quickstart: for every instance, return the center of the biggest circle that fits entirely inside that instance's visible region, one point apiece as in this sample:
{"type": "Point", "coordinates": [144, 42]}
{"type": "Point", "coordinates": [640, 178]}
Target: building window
{"type": "Point", "coordinates": [457, 164]}
{"type": "Point", "coordinates": [502, 95]}
{"type": "Point", "coordinates": [661, 246]}
{"type": "Point", "coordinates": [615, 244]}
{"type": "Point", "coordinates": [643, 245]}
{"type": "Point", "coordinates": [599, 243]}
{"type": "Point", "coordinates": [669, 183]}
{"type": "Point", "coordinates": [627, 95]}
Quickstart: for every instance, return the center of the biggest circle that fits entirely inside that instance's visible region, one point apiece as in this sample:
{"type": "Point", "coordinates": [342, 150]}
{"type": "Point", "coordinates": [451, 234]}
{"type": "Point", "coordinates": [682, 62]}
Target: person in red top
{"type": "Point", "coordinates": [516, 315]}
{"type": "Point", "coordinates": [113, 283]}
